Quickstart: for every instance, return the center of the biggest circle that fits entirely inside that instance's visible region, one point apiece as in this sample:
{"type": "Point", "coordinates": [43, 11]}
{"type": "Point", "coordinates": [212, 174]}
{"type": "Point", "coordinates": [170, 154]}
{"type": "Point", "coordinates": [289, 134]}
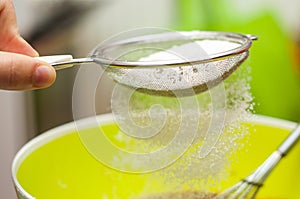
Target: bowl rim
{"type": "Point", "coordinates": [105, 119]}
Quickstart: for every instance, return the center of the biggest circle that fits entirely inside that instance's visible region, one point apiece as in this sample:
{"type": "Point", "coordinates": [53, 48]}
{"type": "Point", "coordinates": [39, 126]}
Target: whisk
{"type": "Point", "coordinates": [249, 187]}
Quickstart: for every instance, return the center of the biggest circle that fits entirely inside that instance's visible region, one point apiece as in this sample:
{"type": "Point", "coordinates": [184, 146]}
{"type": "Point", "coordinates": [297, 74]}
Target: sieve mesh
{"type": "Point", "coordinates": [174, 63]}
{"type": "Point", "coordinates": [177, 78]}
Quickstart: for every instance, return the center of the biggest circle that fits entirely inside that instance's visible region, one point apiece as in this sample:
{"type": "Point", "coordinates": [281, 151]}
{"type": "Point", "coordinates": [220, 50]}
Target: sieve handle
{"type": "Point", "coordinates": [64, 61]}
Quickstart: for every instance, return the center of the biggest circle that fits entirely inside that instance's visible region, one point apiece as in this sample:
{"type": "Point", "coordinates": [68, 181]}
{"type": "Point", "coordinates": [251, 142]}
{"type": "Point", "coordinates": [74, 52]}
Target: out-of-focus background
{"type": "Point", "coordinates": [77, 26]}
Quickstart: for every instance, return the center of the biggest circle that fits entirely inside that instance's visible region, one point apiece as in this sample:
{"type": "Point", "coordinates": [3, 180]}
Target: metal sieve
{"type": "Point", "coordinates": [168, 63]}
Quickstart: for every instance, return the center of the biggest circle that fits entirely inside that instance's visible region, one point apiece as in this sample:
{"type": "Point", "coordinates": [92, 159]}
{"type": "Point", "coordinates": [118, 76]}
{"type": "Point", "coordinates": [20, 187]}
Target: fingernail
{"type": "Point", "coordinates": [43, 76]}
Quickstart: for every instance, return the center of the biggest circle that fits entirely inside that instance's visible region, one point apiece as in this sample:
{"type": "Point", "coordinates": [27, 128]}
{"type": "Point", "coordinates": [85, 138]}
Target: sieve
{"type": "Point", "coordinates": [168, 63]}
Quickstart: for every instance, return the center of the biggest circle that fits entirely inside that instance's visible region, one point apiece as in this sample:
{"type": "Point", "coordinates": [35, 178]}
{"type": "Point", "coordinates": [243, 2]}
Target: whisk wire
{"type": "Point", "coordinates": [249, 187]}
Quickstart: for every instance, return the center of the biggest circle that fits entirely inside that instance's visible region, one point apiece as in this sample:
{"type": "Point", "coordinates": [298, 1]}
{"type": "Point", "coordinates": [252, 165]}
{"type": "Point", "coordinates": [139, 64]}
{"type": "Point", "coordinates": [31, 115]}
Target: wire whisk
{"type": "Point", "coordinates": [249, 186]}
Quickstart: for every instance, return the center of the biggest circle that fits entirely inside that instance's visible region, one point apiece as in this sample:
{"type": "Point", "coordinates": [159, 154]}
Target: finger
{"type": "Point", "coordinates": [10, 39]}
{"type": "Point", "coordinates": [17, 44]}
{"type": "Point", "coordinates": [21, 72]}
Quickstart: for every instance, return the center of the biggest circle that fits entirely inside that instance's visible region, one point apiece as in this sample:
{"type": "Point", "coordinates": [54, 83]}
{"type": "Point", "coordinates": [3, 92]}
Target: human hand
{"type": "Point", "coordinates": [18, 69]}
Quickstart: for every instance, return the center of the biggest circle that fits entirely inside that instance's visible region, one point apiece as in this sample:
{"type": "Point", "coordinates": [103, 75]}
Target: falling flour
{"type": "Point", "coordinates": [217, 115]}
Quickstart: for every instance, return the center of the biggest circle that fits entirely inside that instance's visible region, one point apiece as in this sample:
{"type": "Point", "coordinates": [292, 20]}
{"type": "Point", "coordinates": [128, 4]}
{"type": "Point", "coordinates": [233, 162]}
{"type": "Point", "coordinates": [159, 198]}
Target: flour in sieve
{"type": "Point", "coordinates": [187, 76]}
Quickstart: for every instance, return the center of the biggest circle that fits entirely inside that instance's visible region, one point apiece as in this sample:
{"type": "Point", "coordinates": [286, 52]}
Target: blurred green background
{"type": "Point", "coordinates": [76, 27]}
{"type": "Point", "coordinates": [275, 82]}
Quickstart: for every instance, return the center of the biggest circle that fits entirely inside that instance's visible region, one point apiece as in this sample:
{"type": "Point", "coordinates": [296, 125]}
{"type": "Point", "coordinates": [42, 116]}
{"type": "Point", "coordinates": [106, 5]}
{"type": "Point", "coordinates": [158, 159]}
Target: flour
{"type": "Point", "coordinates": [183, 76]}
{"type": "Point", "coordinates": [192, 51]}
{"type": "Point", "coordinates": [223, 107]}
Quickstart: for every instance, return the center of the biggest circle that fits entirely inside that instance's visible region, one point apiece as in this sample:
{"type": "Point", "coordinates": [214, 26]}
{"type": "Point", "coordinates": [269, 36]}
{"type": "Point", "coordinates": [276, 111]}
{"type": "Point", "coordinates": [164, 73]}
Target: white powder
{"type": "Point", "coordinates": [193, 51]}
{"type": "Point", "coordinates": [186, 76]}
{"type": "Point", "coordinates": [205, 160]}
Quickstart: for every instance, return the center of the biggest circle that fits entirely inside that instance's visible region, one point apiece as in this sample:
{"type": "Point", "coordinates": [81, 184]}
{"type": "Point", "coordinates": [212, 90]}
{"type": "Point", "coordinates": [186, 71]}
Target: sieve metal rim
{"type": "Point", "coordinates": [244, 39]}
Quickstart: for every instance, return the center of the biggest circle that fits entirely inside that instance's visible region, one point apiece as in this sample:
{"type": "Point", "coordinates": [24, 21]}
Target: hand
{"type": "Point", "coordinates": [18, 69]}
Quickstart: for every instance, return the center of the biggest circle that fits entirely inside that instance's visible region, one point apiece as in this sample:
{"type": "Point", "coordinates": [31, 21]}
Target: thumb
{"type": "Point", "coordinates": [21, 72]}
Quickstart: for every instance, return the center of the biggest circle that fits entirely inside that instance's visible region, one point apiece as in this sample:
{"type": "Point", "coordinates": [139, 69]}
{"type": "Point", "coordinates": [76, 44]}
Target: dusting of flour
{"type": "Point", "coordinates": [230, 102]}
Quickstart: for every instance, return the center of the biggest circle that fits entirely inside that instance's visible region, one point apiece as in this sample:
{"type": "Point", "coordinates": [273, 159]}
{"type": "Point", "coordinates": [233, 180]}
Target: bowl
{"type": "Point", "coordinates": [57, 165]}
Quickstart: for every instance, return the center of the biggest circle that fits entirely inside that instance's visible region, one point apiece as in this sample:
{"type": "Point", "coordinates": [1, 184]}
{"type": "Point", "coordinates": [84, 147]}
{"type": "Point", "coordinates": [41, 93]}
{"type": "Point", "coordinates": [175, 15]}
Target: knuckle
{"type": "Point", "coordinates": [12, 73]}
{"type": "Point", "coordinates": [16, 71]}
